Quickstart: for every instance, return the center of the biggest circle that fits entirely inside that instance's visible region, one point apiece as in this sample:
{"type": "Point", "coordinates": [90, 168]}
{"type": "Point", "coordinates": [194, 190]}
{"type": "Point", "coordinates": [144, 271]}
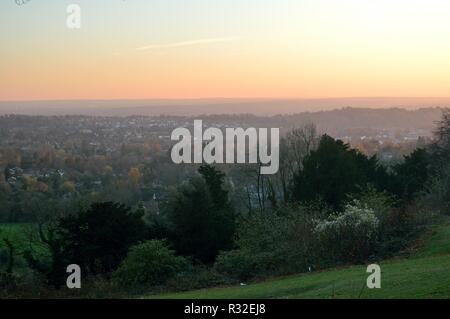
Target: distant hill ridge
{"type": "Point", "coordinates": [192, 107]}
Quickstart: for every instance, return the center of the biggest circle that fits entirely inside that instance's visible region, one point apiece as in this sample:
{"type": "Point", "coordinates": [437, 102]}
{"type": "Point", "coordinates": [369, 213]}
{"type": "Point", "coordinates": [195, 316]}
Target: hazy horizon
{"type": "Point", "coordinates": [192, 107]}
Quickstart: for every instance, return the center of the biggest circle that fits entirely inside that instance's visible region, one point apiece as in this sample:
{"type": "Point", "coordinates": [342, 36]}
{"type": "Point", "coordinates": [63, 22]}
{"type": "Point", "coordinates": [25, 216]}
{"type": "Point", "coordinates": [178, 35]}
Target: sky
{"type": "Point", "coordinates": [143, 49]}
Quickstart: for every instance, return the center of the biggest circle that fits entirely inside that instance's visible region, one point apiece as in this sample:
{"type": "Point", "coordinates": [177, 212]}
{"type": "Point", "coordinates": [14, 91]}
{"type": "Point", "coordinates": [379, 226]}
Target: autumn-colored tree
{"type": "Point", "coordinates": [69, 187]}
{"type": "Point", "coordinates": [134, 175]}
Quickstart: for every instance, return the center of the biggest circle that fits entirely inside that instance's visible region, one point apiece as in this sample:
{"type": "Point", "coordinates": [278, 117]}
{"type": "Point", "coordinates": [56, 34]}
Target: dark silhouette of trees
{"type": "Point", "coordinates": [332, 172]}
{"type": "Point", "coordinates": [441, 147]}
{"type": "Point", "coordinates": [98, 239]}
{"type": "Point", "coordinates": [410, 177]}
{"type": "Point", "coordinates": [54, 269]}
{"type": "Point", "coordinates": [202, 217]}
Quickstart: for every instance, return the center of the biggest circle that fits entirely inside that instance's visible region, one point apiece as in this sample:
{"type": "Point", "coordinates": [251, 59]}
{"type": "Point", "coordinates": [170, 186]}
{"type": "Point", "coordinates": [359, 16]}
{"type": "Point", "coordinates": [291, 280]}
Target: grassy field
{"type": "Point", "coordinates": [426, 274]}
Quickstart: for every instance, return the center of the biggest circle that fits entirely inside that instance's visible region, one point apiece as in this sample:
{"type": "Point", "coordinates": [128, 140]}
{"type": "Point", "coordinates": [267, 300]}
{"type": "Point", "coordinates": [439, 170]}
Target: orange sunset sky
{"type": "Point", "coordinates": [136, 49]}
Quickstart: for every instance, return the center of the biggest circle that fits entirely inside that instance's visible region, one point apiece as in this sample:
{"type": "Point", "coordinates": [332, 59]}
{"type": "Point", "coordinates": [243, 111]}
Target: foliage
{"type": "Point", "coordinates": [397, 220]}
{"type": "Point", "coordinates": [203, 221]}
{"type": "Point", "coordinates": [436, 197]}
{"type": "Point", "coordinates": [441, 147]}
{"type": "Point", "coordinates": [271, 244]}
{"type": "Point", "coordinates": [8, 282]}
{"type": "Point", "coordinates": [411, 176]}
{"type": "Point", "coordinates": [350, 236]}
{"type": "Point", "coordinates": [54, 267]}
{"type": "Point", "coordinates": [378, 212]}
{"type": "Point", "coordinates": [332, 172]}
{"type": "Point", "coordinates": [382, 203]}
{"type": "Point", "coordinates": [98, 239]}
{"type": "Point", "coordinates": [150, 263]}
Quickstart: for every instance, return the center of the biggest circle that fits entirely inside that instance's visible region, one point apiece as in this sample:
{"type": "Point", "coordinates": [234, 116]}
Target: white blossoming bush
{"type": "Point", "coordinates": [350, 236]}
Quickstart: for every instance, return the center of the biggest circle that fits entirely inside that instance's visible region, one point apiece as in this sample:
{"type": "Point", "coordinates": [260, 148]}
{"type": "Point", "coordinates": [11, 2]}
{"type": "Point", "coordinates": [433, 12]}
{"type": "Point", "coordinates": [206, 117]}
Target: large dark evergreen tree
{"type": "Point", "coordinates": [441, 147]}
{"type": "Point", "coordinates": [333, 171]}
{"type": "Point", "coordinates": [99, 238]}
{"type": "Point", "coordinates": [410, 177]}
{"type": "Point", "coordinates": [202, 217]}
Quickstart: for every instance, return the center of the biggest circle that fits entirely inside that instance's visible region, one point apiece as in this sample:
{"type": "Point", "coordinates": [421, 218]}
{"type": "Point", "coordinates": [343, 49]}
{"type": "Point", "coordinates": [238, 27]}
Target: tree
{"type": "Point", "coordinates": [202, 217]}
{"type": "Point", "coordinates": [437, 195]}
{"type": "Point", "coordinates": [11, 254]}
{"type": "Point", "coordinates": [214, 180]}
{"type": "Point", "coordinates": [442, 132]}
{"type": "Point", "coordinates": [441, 147]}
{"type": "Point", "coordinates": [54, 270]}
{"type": "Point", "coordinates": [99, 238]}
{"type": "Point", "coordinates": [332, 172]}
{"type": "Point", "coordinates": [134, 176]}
{"type": "Point", "coordinates": [436, 198]}
{"type": "Point", "coordinates": [69, 187]}
{"type": "Point", "coordinates": [411, 176]}
{"type": "Point", "coordinates": [297, 144]}
{"type": "Point", "coordinates": [149, 263]}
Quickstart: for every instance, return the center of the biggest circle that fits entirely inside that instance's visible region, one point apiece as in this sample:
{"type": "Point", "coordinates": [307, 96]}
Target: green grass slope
{"type": "Point", "coordinates": [426, 274]}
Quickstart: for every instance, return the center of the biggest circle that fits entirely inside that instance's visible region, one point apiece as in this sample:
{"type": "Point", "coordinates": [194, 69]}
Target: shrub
{"type": "Point", "coordinates": [403, 226]}
{"type": "Point", "coordinates": [436, 198]}
{"type": "Point", "coordinates": [350, 236]}
{"type": "Point", "coordinates": [8, 282]}
{"type": "Point", "coordinates": [4, 258]}
{"type": "Point", "coordinates": [99, 238]}
{"type": "Point", "coordinates": [381, 203]}
{"type": "Point", "coordinates": [150, 263]}
{"type": "Point", "coordinates": [271, 244]}
{"type": "Point", "coordinates": [399, 222]}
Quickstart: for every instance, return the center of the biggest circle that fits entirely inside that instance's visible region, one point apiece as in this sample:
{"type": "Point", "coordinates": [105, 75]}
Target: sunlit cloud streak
{"type": "Point", "coordinates": [186, 43]}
